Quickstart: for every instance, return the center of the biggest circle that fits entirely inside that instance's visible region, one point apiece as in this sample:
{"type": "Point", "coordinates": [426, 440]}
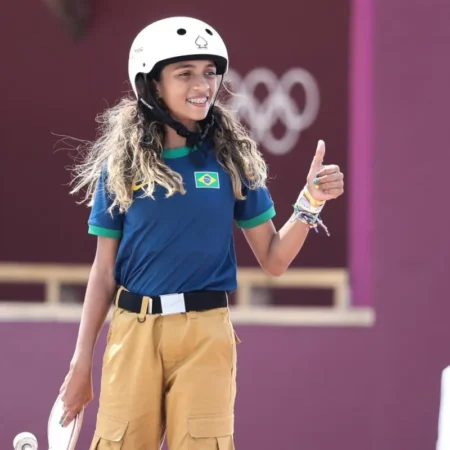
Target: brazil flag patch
{"type": "Point", "coordinates": [207, 180]}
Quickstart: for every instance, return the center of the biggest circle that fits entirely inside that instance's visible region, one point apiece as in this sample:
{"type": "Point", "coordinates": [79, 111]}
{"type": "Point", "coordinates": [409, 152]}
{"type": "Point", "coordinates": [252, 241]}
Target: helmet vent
{"type": "Point", "coordinates": [209, 31]}
{"type": "Point", "coordinates": [181, 31]}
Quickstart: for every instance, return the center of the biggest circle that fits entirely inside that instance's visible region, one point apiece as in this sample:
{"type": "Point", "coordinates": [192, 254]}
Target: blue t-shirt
{"type": "Point", "coordinates": [185, 242]}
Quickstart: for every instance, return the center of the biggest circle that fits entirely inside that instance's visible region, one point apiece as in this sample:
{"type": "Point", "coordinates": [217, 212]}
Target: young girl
{"type": "Point", "coordinates": [170, 173]}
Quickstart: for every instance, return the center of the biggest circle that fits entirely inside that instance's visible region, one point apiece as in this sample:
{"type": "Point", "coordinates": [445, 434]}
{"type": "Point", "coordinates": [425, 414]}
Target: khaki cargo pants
{"type": "Point", "coordinates": [171, 376]}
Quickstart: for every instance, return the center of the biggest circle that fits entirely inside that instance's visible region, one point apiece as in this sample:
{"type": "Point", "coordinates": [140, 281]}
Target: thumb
{"type": "Point", "coordinates": [316, 164]}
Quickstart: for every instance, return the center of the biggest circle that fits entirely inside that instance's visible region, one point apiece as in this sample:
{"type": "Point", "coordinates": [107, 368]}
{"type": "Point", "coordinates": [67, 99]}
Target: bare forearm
{"type": "Point", "coordinates": [275, 250]}
{"type": "Point", "coordinates": [99, 293]}
{"type": "Point", "coordinates": [285, 246]}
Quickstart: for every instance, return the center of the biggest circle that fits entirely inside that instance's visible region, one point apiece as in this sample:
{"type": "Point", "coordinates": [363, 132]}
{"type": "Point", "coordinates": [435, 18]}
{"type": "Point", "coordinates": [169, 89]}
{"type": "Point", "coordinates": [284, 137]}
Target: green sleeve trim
{"type": "Point", "coordinates": [105, 232]}
{"type": "Point", "coordinates": [258, 220]}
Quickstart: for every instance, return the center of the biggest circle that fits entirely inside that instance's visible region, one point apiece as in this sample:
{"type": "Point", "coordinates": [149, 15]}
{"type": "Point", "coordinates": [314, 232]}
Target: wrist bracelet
{"type": "Point", "coordinates": [312, 200]}
{"type": "Point", "coordinates": [312, 220]}
{"type": "Point", "coordinates": [304, 202]}
{"type": "Point", "coordinates": [307, 210]}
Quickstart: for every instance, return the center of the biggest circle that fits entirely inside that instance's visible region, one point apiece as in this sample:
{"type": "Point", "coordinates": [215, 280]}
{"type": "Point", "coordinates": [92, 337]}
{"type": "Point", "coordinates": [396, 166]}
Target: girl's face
{"type": "Point", "coordinates": [187, 89]}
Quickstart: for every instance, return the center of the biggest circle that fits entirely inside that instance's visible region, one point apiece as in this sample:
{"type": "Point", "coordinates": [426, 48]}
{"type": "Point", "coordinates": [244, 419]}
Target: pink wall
{"type": "Point", "coordinates": [411, 249]}
{"type": "Point", "coordinates": [361, 149]}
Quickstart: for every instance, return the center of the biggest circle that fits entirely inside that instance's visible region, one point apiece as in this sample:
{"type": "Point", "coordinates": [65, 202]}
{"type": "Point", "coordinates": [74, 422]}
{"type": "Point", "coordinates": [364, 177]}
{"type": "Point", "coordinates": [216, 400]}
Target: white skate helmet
{"type": "Point", "coordinates": [175, 39]}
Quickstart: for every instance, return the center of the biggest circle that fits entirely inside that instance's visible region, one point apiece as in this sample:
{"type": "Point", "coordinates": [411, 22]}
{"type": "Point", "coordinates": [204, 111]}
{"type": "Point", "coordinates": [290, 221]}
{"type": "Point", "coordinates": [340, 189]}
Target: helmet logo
{"type": "Point", "coordinates": [201, 42]}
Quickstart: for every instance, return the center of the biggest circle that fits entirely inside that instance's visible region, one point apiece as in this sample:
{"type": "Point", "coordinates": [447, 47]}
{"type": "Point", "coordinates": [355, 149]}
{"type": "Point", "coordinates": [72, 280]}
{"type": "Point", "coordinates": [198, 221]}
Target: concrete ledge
{"type": "Point", "coordinates": [303, 316]}
{"type": "Point", "coordinates": [273, 316]}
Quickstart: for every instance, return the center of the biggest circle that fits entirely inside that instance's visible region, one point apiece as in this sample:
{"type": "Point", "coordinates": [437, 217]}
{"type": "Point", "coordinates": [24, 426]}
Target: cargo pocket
{"type": "Point", "coordinates": [211, 433]}
{"type": "Point", "coordinates": [109, 433]}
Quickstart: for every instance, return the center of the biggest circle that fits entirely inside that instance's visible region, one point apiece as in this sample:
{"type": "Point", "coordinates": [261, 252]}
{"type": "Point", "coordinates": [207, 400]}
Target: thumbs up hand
{"type": "Point", "coordinates": [324, 182]}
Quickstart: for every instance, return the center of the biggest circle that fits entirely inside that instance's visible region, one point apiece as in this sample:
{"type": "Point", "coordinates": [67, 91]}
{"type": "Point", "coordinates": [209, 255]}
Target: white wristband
{"type": "Point", "coordinates": [304, 204]}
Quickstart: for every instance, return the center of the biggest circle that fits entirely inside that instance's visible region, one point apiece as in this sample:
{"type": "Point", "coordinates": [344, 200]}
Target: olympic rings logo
{"type": "Point", "coordinates": [278, 106]}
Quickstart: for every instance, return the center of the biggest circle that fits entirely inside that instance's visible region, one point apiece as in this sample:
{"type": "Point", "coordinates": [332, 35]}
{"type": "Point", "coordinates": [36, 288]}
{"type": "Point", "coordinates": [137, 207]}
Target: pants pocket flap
{"type": "Point", "coordinates": [208, 427]}
{"type": "Point", "coordinates": [111, 428]}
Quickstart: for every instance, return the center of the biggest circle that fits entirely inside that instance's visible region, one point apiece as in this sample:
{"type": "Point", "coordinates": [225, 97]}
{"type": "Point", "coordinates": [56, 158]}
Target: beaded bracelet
{"type": "Point", "coordinates": [307, 210]}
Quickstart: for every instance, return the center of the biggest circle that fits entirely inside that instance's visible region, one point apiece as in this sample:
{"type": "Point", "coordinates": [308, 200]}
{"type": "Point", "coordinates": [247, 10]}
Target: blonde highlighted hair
{"type": "Point", "coordinates": [130, 148]}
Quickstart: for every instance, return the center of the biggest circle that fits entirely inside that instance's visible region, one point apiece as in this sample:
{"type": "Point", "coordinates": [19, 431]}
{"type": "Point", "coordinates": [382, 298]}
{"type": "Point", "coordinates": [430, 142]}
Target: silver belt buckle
{"type": "Point", "coordinates": [172, 304]}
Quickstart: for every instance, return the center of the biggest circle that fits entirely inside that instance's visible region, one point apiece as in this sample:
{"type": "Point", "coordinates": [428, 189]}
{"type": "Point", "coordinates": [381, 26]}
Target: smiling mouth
{"type": "Point", "coordinates": [198, 100]}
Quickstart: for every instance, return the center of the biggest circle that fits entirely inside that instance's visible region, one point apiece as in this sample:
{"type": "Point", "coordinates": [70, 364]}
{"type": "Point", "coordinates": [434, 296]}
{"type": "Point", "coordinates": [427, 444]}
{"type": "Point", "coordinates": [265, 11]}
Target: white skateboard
{"type": "Point", "coordinates": [59, 438]}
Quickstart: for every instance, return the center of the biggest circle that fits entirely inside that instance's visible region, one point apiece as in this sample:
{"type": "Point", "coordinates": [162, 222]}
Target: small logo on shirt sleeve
{"type": "Point", "coordinates": [207, 180]}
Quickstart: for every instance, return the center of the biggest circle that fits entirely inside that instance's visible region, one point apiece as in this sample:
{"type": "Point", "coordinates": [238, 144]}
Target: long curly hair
{"type": "Point", "coordinates": [130, 146]}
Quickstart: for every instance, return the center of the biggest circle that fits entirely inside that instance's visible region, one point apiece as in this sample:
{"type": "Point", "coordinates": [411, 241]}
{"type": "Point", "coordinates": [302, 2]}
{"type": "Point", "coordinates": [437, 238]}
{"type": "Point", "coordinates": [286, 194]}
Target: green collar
{"type": "Point", "coordinates": [172, 153]}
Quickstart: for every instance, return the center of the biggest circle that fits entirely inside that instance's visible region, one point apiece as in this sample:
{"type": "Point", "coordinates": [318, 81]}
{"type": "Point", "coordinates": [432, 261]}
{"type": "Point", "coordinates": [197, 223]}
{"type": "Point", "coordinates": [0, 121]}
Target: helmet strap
{"type": "Point", "coordinates": [193, 138]}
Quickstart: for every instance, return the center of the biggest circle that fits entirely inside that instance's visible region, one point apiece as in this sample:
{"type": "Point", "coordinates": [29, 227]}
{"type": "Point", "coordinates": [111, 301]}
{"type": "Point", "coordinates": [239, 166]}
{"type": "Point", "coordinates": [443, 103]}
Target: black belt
{"type": "Point", "coordinates": [194, 301]}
